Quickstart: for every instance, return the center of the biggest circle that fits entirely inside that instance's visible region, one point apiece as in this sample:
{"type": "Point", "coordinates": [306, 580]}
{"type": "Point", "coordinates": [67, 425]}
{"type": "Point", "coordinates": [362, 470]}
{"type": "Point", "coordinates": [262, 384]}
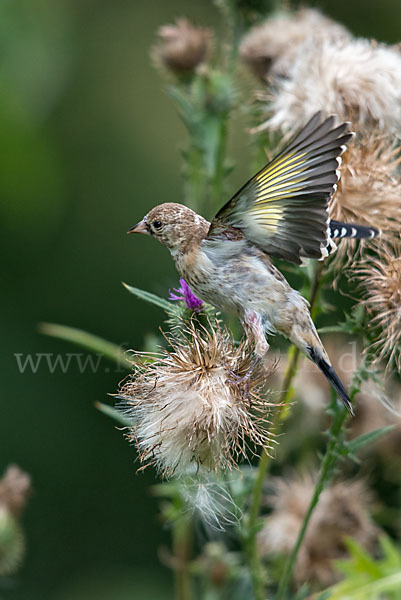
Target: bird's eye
{"type": "Point", "coordinates": [157, 224]}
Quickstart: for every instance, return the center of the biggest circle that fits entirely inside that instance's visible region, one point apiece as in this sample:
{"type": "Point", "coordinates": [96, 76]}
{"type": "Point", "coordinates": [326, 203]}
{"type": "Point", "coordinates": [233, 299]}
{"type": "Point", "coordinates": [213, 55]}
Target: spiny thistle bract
{"type": "Point", "coordinates": [189, 407]}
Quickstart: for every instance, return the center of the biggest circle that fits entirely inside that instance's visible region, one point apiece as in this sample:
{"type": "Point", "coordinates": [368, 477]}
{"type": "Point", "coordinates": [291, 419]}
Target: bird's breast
{"type": "Point", "coordinates": [231, 276]}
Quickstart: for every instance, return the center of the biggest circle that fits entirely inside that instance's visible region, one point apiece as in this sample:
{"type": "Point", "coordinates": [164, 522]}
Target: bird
{"type": "Point", "coordinates": [281, 212]}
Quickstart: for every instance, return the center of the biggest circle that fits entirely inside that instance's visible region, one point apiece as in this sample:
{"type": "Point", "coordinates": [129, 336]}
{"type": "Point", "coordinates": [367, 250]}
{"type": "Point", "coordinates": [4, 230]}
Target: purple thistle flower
{"type": "Point", "coordinates": [184, 293]}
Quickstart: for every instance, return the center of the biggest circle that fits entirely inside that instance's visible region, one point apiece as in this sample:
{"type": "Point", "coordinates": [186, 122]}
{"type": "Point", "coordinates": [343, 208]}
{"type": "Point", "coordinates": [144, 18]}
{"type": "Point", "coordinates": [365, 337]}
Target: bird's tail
{"type": "Point", "coordinates": [358, 232]}
{"type": "Point", "coordinates": [319, 359]}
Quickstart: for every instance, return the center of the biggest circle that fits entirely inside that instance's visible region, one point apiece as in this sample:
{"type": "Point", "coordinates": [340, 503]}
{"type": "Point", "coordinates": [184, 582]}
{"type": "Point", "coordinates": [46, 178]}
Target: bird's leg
{"type": "Point", "coordinates": [252, 324]}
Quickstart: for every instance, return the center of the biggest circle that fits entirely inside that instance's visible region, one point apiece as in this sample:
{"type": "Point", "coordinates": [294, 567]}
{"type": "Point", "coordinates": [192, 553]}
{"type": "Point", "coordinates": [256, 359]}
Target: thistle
{"type": "Point", "coordinates": [270, 49]}
{"type": "Point", "coordinates": [380, 279]}
{"type": "Point", "coordinates": [15, 489]}
{"type": "Point", "coordinates": [185, 294]}
{"type": "Point", "coordinates": [188, 406]}
{"type": "Point", "coordinates": [370, 187]}
{"type": "Point", "coordinates": [343, 510]}
{"type": "Point", "coordinates": [182, 47]}
{"type": "Point", "coordinates": [358, 80]}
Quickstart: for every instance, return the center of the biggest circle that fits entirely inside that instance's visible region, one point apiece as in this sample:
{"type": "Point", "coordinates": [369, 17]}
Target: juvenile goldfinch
{"type": "Point", "coordinates": [281, 212]}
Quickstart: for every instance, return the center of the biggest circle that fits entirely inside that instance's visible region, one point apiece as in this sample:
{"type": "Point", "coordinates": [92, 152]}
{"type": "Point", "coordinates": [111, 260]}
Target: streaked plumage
{"type": "Point", "coordinates": [282, 212]}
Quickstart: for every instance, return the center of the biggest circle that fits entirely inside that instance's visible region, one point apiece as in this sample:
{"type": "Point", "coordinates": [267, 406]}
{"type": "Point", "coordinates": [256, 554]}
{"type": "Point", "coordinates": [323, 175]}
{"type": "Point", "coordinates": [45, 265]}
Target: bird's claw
{"type": "Point", "coordinates": [243, 380]}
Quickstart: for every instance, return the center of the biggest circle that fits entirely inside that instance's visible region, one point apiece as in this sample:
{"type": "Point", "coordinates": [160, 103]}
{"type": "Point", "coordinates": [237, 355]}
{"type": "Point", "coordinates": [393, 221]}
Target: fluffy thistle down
{"type": "Point", "coordinates": [343, 510]}
{"type": "Point", "coordinates": [188, 406]}
{"type": "Point", "coordinates": [182, 47]}
{"type": "Point", "coordinates": [15, 489]}
{"type": "Point", "coordinates": [380, 278]}
{"type": "Point", "coordinates": [358, 80]}
{"type": "Point", "coordinates": [272, 47]}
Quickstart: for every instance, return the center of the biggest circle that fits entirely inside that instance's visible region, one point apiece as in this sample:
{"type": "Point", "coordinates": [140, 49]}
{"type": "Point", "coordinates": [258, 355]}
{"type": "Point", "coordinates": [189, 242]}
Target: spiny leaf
{"type": "Point", "coordinates": [88, 341]}
{"type": "Point", "coordinates": [368, 577]}
{"type": "Point", "coordinates": [368, 438]}
{"type": "Point", "coordinates": [166, 305]}
{"type": "Point", "coordinates": [110, 411]}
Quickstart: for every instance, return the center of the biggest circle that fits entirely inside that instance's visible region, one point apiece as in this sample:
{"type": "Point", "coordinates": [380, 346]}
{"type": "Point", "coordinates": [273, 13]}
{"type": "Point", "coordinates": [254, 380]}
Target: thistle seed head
{"type": "Point", "coordinates": [15, 489]}
{"type": "Point", "coordinates": [188, 407]}
{"type": "Point", "coordinates": [380, 278]}
{"type": "Point", "coordinates": [343, 510]}
{"type": "Point", "coordinates": [358, 80]}
{"type": "Point", "coordinates": [182, 47]}
{"type": "Point", "coordinates": [369, 190]}
{"type": "Point", "coordinates": [272, 47]}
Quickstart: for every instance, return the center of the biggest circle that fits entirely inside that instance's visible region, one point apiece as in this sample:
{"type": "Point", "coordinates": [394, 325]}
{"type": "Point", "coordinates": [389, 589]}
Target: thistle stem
{"type": "Point", "coordinates": [254, 562]}
{"type": "Point", "coordinates": [217, 181]}
{"type": "Point", "coordinates": [182, 543]}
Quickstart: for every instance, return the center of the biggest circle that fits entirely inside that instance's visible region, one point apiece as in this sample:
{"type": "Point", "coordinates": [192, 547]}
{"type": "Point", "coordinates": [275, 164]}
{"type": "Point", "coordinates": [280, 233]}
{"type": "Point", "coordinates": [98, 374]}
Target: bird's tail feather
{"type": "Point", "coordinates": [332, 376]}
{"type": "Point", "coordinates": [358, 232]}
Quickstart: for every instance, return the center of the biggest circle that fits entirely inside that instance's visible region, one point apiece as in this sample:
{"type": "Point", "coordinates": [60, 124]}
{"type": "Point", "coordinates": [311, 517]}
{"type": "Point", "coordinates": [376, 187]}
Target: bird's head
{"type": "Point", "coordinates": [174, 225]}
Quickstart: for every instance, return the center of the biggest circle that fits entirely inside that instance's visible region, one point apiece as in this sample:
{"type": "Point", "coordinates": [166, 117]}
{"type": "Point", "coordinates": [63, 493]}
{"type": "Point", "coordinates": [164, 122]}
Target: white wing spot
{"type": "Point", "coordinates": [353, 232]}
{"type": "Point", "coordinates": [343, 232]}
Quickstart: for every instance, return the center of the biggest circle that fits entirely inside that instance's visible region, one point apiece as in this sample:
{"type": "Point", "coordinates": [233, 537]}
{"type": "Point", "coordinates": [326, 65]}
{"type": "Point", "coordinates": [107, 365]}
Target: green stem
{"type": "Point", "coordinates": [182, 544]}
{"type": "Point", "coordinates": [326, 471]}
{"type": "Point", "coordinates": [255, 564]}
{"type": "Point", "coordinates": [195, 189]}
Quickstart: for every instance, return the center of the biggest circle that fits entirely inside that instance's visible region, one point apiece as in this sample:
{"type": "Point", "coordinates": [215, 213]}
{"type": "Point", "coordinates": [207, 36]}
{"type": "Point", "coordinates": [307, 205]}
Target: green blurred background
{"type": "Point", "coordinates": [89, 142]}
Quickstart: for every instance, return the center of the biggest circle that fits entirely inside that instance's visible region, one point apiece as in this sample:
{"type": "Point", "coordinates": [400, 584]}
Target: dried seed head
{"type": "Point", "coordinates": [358, 80]}
{"type": "Point", "coordinates": [182, 47]}
{"type": "Point", "coordinates": [343, 510]}
{"type": "Point", "coordinates": [369, 190]}
{"type": "Point", "coordinates": [188, 407]}
{"type": "Point", "coordinates": [380, 278]}
{"type": "Point", "coordinates": [272, 47]}
{"type": "Point", "coordinates": [15, 489]}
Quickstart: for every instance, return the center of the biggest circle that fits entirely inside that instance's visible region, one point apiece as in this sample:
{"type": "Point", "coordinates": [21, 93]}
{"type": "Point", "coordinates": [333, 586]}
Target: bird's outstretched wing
{"type": "Point", "coordinates": [283, 209]}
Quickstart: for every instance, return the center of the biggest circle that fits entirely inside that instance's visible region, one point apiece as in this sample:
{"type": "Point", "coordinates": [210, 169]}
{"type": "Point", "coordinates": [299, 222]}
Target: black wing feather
{"type": "Point", "coordinates": [283, 209]}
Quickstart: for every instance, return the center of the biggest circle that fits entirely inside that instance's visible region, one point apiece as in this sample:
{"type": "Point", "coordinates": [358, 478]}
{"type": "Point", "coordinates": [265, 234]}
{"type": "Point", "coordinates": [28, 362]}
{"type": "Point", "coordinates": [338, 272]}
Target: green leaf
{"type": "Point", "coordinates": [368, 438]}
{"type": "Point", "coordinates": [367, 576]}
{"type": "Point", "coordinates": [87, 340]}
{"type": "Point", "coordinates": [332, 329]}
{"type": "Point", "coordinates": [112, 412]}
{"type": "Point", "coordinates": [152, 298]}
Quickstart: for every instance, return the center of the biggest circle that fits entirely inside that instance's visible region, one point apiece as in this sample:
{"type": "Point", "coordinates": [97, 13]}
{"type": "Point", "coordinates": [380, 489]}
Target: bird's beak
{"type": "Point", "coordinates": [140, 227]}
